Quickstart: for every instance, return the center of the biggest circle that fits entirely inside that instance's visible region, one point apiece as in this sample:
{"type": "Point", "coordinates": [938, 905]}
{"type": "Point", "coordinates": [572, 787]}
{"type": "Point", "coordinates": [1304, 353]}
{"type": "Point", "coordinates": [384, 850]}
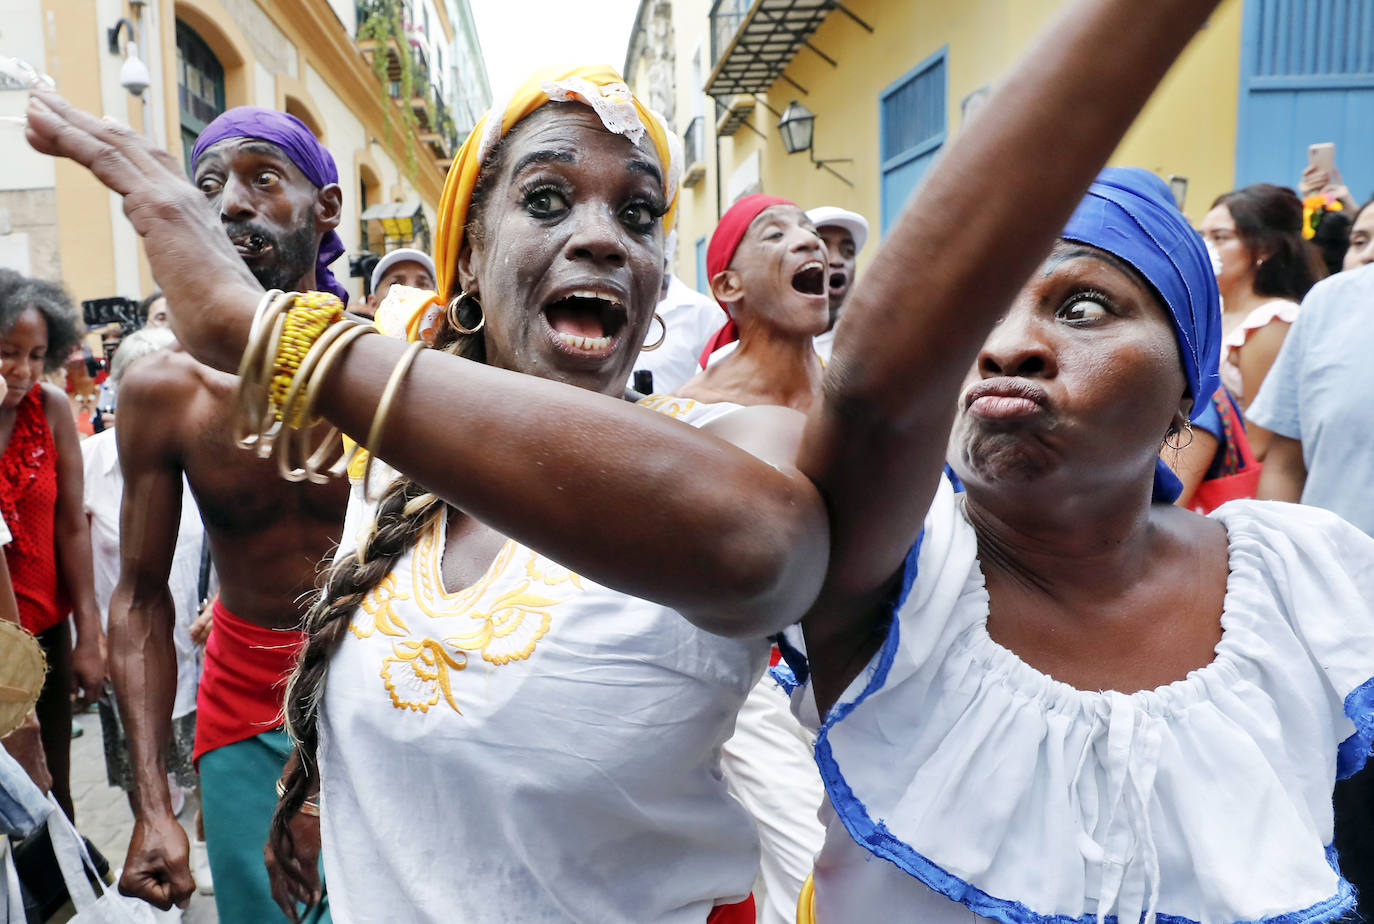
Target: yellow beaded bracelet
{"type": "Point", "coordinates": [305, 322]}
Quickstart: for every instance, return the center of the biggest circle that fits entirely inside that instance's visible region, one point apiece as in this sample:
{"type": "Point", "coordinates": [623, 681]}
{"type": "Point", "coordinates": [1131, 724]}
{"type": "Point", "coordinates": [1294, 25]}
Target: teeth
{"type": "Point", "coordinates": [590, 344]}
{"type": "Point", "coordinates": [814, 264]}
{"type": "Point", "coordinates": [587, 293]}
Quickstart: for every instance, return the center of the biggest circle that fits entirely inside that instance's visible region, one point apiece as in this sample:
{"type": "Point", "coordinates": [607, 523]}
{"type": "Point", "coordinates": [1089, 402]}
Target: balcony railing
{"type": "Point", "coordinates": [694, 151]}
{"type": "Point", "coordinates": [726, 18]}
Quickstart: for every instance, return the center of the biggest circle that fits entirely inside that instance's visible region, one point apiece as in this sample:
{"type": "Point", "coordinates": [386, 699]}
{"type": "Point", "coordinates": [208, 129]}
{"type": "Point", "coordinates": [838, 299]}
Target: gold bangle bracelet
{"type": "Point", "coordinates": [309, 807]}
{"type": "Point", "coordinates": [393, 386]}
{"type": "Point", "coordinates": [255, 371]}
{"type": "Point", "coordinates": [295, 441]}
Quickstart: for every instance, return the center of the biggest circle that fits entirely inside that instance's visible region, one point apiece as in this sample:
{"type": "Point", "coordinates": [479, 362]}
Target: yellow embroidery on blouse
{"type": "Point", "coordinates": [380, 604]}
{"type": "Point", "coordinates": [500, 626]}
{"type": "Point", "coordinates": [671, 405]}
{"type": "Point", "coordinates": [421, 674]}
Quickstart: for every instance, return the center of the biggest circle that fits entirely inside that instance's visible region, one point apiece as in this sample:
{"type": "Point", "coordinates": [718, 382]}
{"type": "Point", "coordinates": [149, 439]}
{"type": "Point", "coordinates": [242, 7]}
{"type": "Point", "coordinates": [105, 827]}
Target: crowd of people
{"type": "Point", "coordinates": [538, 587]}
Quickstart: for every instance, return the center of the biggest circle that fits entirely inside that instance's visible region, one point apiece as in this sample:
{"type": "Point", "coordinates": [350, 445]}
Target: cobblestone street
{"type": "Point", "coordinates": [103, 814]}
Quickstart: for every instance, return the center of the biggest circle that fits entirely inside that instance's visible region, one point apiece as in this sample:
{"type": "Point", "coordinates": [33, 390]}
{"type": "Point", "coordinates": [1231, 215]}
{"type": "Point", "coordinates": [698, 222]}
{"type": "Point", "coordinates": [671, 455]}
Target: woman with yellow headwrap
{"type": "Point", "coordinates": [553, 743]}
{"type": "Point", "coordinates": [500, 700]}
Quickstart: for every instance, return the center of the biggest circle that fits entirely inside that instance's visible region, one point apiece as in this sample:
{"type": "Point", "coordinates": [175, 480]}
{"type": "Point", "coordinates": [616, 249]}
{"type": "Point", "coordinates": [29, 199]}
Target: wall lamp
{"type": "Point", "coordinates": [797, 126]}
{"type": "Point", "coordinates": [133, 75]}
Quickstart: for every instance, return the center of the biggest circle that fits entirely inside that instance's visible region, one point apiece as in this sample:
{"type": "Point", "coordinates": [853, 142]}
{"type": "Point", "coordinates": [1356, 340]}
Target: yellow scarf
{"type": "Point", "coordinates": [599, 87]}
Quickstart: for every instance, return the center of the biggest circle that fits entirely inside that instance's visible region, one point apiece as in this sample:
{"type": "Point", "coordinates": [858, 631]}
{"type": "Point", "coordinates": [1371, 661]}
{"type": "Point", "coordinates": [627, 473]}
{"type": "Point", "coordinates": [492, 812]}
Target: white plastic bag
{"type": "Point", "coordinates": [107, 907]}
{"type": "Point", "coordinates": [13, 897]}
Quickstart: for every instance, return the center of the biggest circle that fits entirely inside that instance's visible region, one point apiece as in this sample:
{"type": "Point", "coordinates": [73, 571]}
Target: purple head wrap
{"type": "Point", "coordinates": [290, 134]}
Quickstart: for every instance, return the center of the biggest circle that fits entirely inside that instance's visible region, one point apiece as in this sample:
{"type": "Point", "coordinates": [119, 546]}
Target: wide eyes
{"type": "Point", "coordinates": [211, 185]}
{"type": "Point", "coordinates": [1083, 309]}
{"type": "Point", "coordinates": [545, 202]}
{"type": "Point", "coordinates": [638, 216]}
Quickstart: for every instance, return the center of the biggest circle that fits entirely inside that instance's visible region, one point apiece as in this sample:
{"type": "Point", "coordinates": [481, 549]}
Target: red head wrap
{"type": "Point", "coordinates": [724, 242]}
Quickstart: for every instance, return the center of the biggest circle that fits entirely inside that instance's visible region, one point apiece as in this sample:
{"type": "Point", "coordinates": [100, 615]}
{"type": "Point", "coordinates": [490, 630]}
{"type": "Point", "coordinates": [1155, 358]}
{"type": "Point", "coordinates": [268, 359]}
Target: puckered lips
{"type": "Point", "coordinates": [585, 319]}
{"type": "Point", "coordinates": [1006, 398]}
{"type": "Point", "coordinates": [809, 279]}
{"type": "Point", "coordinates": [838, 280]}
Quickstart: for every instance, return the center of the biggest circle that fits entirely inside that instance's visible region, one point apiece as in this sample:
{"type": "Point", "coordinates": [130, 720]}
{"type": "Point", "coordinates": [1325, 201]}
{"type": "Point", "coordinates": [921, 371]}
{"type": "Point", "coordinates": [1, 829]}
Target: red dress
{"type": "Point", "coordinates": [28, 501]}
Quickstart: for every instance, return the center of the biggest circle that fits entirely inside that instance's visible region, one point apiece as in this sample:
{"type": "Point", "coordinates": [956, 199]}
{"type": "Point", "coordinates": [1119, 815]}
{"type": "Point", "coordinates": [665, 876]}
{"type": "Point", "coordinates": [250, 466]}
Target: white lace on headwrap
{"type": "Point", "coordinates": [491, 129]}
{"type": "Point", "coordinates": [613, 104]}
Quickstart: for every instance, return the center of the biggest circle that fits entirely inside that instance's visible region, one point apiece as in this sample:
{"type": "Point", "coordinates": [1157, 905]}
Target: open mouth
{"type": "Point", "coordinates": [810, 279]}
{"type": "Point", "coordinates": [250, 245]}
{"type": "Point", "coordinates": [838, 280]}
{"type": "Point", "coordinates": [585, 321]}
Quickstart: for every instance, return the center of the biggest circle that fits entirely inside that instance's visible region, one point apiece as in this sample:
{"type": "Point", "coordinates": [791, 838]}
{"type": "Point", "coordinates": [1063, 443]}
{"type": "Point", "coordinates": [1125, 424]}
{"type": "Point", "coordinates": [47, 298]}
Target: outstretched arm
{"type": "Point", "coordinates": [625, 496]}
{"type": "Point", "coordinates": [875, 443]}
{"type": "Point", "coordinates": [142, 653]}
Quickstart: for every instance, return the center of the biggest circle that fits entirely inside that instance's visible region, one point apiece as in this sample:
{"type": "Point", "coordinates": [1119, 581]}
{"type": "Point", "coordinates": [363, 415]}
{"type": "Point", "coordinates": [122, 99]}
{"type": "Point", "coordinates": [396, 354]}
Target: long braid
{"type": "Point", "coordinates": [404, 512]}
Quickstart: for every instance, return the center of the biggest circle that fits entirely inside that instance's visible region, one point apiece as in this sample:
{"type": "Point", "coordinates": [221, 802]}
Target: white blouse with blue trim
{"type": "Point", "coordinates": [963, 783]}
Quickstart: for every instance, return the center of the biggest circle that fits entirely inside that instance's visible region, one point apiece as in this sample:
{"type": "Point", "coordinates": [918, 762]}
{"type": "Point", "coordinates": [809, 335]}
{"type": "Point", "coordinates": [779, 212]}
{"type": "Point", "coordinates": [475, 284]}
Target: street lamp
{"type": "Point", "coordinates": [133, 75]}
{"type": "Point", "coordinates": [797, 125]}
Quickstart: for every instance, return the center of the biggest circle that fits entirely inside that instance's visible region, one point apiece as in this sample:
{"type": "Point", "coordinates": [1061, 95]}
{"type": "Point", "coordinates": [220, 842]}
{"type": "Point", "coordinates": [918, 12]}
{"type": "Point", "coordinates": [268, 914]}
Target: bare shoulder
{"type": "Point", "coordinates": [168, 380]}
{"type": "Point", "coordinates": [769, 432]}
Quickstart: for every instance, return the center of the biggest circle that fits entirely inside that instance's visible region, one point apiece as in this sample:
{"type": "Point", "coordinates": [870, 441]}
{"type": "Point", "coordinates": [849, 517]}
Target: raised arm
{"type": "Point", "coordinates": [142, 653]}
{"type": "Point", "coordinates": [914, 323]}
{"type": "Point", "coordinates": [72, 536]}
{"type": "Point", "coordinates": [625, 496]}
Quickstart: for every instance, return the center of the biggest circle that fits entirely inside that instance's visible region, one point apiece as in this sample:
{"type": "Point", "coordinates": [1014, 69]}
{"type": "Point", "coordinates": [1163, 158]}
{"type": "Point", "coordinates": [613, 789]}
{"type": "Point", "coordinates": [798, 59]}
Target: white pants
{"type": "Point", "coordinates": [770, 768]}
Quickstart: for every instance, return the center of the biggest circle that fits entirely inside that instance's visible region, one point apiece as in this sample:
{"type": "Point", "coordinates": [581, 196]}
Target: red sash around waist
{"type": "Point", "coordinates": [738, 913]}
{"type": "Point", "coordinates": [243, 681]}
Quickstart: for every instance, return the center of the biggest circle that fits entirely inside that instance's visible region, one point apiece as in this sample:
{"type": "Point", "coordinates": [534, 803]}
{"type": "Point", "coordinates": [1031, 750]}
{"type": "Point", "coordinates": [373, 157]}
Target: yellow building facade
{"type": "Point", "coordinates": [312, 58]}
{"type": "Point", "coordinates": [859, 67]}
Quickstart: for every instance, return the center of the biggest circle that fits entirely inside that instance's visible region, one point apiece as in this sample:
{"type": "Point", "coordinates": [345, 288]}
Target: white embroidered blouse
{"type": "Point", "coordinates": [535, 747]}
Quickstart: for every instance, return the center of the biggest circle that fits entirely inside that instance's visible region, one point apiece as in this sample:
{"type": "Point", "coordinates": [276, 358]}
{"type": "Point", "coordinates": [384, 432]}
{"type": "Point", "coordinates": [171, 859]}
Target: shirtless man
{"type": "Point", "coordinates": [275, 189]}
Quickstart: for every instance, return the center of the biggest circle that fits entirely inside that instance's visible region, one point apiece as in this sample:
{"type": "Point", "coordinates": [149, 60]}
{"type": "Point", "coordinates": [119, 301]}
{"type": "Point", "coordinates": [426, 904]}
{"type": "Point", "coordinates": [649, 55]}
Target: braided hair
{"type": "Point", "coordinates": [405, 512]}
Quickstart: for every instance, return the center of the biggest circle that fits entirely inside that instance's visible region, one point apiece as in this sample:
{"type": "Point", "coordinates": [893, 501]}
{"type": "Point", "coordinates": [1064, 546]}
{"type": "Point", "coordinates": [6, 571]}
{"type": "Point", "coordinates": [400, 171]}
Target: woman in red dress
{"type": "Point", "coordinates": [40, 498]}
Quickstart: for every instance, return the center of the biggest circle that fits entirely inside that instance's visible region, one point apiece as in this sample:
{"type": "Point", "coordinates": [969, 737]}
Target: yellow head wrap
{"type": "Point", "coordinates": [599, 87]}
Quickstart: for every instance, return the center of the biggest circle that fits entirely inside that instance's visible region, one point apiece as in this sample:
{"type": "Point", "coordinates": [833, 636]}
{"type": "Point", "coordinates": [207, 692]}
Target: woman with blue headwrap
{"type": "Point", "coordinates": [1056, 697]}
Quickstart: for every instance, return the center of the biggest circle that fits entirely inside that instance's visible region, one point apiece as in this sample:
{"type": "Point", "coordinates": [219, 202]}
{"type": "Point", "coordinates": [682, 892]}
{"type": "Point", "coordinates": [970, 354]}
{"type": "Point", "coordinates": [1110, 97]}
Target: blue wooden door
{"type": "Point", "coordinates": [911, 129]}
{"type": "Point", "coordinates": [1307, 76]}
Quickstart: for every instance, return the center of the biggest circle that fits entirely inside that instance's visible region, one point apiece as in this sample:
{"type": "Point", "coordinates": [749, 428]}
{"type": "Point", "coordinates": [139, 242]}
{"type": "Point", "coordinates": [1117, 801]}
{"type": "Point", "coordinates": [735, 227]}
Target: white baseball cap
{"type": "Point", "coordinates": [407, 255]}
{"type": "Point", "coordinates": [852, 222]}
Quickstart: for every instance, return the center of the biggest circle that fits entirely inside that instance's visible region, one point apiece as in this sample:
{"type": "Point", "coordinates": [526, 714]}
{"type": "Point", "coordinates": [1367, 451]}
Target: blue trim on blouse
{"type": "Point", "coordinates": [795, 669]}
{"type": "Point", "coordinates": [1355, 750]}
{"type": "Point", "coordinates": [875, 837]}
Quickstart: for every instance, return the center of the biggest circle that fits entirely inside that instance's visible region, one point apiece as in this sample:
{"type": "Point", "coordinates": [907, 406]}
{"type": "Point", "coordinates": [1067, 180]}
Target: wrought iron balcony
{"type": "Point", "coordinates": [753, 41]}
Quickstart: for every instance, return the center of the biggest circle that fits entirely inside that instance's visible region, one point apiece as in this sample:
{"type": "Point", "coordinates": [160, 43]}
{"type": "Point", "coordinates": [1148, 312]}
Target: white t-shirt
{"type": "Point", "coordinates": [691, 319]}
{"type": "Point", "coordinates": [963, 783]}
{"type": "Point", "coordinates": [534, 747]}
{"type": "Point", "coordinates": [104, 489]}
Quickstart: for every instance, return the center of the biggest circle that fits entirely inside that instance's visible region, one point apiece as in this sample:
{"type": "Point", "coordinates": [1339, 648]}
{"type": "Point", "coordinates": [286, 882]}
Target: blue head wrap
{"type": "Point", "coordinates": [1131, 213]}
{"type": "Point", "coordinates": [290, 134]}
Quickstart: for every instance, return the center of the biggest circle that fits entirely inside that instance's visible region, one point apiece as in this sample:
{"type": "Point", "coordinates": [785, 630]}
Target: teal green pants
{"type": "Point", "coordinates": [238, 795]}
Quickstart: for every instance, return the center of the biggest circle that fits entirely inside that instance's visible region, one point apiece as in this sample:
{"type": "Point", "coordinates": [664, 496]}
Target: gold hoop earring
{"type": "Point", "coordinates": [456, 305]}
{"type": "Point", "coordinates": [650, 347]}
{"type": "Point", "coordinates": [1188, 429]}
